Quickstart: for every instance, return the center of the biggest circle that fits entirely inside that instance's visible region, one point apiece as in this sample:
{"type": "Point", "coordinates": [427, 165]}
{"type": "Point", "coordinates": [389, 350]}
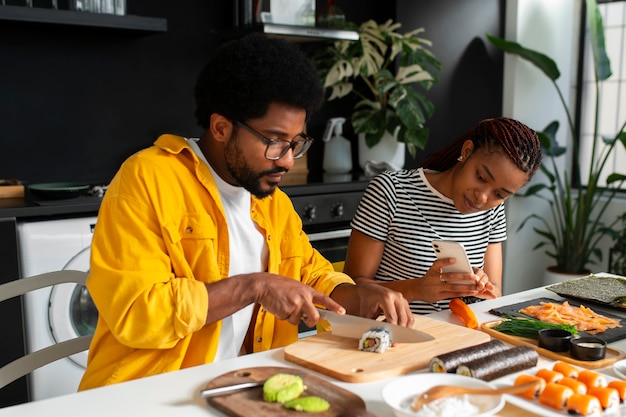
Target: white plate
{"type": "Point", "coordinates": [619, 368]}
{"type": "Point", "coordinates": [534, 406]}
{"type": "Point", "coordinates": [399, 393]}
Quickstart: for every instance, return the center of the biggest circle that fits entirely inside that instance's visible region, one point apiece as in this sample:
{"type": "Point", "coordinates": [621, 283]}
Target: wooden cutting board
{"type": "Point", "coordinates": [250, 402]}
{"type": "Point", "coordinates": [340, 357]}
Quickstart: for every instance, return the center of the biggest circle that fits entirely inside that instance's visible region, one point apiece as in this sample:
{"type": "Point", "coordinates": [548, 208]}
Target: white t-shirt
{"type": "Point", "coordinates": [248, 253]}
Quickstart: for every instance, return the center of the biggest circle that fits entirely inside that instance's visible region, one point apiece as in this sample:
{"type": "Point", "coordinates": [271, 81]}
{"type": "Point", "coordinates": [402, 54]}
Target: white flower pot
{"type": "Point", "coordinates": [388, 150]}
{"type": "Point", "coordinates": [551, 277]}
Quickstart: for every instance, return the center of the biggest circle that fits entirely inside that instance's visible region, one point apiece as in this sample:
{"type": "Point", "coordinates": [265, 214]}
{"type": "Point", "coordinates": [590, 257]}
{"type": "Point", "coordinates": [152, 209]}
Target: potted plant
{"type": "Point", "coordinates": [617, 258]}
{"type": "Point", "coordinates": [572, 232]}
{"type": "Point", "coordinates": [382, 70]}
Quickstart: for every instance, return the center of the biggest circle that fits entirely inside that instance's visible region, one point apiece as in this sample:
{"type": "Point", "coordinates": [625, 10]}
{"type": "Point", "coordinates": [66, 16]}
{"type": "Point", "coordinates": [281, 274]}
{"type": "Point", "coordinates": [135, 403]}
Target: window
{"type": "Point", "coordinates": [612, 108]}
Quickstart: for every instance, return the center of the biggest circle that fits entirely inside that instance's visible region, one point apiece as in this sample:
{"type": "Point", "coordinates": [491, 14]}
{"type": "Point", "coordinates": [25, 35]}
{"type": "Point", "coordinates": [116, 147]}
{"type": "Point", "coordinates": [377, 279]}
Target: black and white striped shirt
{"type": "Point", "coordinates": [403, 210]}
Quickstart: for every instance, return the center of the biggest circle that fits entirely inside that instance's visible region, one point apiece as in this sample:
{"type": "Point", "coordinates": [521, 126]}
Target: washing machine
{"type": "Point", "coordinates": [62, 312]}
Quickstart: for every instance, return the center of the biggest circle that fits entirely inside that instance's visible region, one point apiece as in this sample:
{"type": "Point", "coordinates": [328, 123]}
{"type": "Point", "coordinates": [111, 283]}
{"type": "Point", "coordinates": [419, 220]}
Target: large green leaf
{"type": "Point", "coordinates": [541, 61]}
{"type": "Point", "coordinates": [601, 60]}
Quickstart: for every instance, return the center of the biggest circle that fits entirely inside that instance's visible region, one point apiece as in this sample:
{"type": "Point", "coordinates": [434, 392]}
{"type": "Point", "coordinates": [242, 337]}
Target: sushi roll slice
{"type": "Point", "coordinates": [620, 386]}
{"type": "Point", "coordinates": [500, 364]}
{"type": "Point", "coordinates": [555, 395]}
{"type": "Point", "coordinates": [608, 397]}
{"type": "Point", "coordinates": [375, 340]}
{"type": "Point", "coordinates": [448, 362]}
{"type": "Point", "coordinates": [567, 369]}
{"type": "Point", "coordinates": [592, 379]}
{"type": "Point", "coordinates": [549, 375]}
{"type": "Point", "coordinates": [577, 386]}
{"type": "Point", "coordinates": [585, 405]}
{"type": "Point", "coordinates": [532, 393]}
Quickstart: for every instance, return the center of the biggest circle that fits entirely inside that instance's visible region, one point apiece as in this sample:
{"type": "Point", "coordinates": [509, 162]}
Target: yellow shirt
{"type": "Point", "coordinates": [161, 235]}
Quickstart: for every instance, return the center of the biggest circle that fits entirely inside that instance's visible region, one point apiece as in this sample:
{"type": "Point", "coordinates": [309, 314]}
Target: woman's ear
{"type": "Point", "coordinates": [467, 149]}
{"type": "Point", "coordinates": [221, 128]}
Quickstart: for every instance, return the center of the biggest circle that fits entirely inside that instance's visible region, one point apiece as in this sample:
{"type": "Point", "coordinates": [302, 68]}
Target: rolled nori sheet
{"type": "Point", "coordinates": [448, 362]}
{"type": "Point", "coordinates": [500, 364]}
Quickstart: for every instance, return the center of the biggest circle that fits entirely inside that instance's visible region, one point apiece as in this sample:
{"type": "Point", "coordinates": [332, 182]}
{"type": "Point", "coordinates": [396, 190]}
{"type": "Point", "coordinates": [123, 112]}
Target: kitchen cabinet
{"type": "Point", "coordinates": [38, 15]}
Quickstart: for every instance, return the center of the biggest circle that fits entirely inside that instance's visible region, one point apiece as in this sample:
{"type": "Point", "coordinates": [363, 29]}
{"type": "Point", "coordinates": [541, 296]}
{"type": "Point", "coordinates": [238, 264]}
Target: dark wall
{"type": "Point", "coordinates": [75, 101]}
{"type": "Point", "coordinates": [470, 84]}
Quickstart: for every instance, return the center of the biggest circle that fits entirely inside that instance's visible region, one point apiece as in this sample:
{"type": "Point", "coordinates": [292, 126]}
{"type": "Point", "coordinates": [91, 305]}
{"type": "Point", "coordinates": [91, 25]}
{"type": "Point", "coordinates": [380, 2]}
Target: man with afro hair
{"type": "Point", "coordinates": [197, 255]}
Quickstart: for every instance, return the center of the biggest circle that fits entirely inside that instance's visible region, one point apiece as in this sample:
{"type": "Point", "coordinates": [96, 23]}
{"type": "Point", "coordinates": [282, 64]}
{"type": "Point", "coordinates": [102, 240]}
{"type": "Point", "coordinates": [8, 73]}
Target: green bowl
{"type": "Point", "coordinates": [57, 190]}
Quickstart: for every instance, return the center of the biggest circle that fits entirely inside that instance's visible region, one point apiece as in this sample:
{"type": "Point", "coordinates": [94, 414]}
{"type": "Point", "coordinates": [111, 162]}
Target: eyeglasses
{"type": "Point", "coordinates": [277, 148]}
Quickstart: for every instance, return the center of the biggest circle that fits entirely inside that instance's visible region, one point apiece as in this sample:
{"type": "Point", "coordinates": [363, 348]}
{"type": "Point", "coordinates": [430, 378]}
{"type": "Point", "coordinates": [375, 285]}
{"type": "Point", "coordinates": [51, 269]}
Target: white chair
{"type": "Point", "coordinates": [28, 363]}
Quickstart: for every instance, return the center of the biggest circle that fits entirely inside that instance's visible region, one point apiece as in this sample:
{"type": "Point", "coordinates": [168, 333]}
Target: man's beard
{"type": "Point", "coordinates": [239, 169]}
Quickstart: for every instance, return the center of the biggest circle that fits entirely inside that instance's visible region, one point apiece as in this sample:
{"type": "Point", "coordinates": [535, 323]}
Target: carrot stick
{"type": "Point", "coordinates": [463, 312]}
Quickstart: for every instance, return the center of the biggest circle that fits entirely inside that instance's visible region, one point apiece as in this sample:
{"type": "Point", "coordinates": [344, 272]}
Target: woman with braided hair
{"type": "Point", "coordinates": [458, 194]}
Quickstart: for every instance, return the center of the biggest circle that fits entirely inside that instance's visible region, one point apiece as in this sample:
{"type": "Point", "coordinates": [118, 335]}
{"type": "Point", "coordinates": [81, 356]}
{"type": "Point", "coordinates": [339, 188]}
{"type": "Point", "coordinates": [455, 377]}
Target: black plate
{"type": "Point", "coordinates": [57, 190]}
{"type": "Point", "coordinates": [609, 336]}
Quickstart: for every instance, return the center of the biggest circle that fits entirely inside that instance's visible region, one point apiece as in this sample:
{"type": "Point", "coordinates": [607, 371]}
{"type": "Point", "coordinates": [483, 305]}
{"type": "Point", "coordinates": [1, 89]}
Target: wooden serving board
{"type": "Point", "coordinates": [250, 402]}
{"type": "Point", "coordinates": [340, 357]}
{"type": "Point", "coordinates": [612, 355]}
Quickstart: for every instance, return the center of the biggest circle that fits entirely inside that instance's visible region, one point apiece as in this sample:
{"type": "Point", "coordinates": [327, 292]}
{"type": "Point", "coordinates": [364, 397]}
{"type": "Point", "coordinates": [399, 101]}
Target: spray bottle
{"type": "Point", "coordinates": [337, 149]}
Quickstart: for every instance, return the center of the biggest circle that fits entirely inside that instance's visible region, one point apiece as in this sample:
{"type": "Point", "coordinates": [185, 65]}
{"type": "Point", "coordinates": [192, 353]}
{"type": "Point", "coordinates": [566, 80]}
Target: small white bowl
{"type": "Point", "coordinates": [400, 392]}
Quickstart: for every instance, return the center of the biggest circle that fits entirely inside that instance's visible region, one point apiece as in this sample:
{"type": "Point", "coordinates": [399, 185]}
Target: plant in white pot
{"type": "Point", "coordinates": [383, 69]}
{"type": "Point", "coordinates": [577, 202]}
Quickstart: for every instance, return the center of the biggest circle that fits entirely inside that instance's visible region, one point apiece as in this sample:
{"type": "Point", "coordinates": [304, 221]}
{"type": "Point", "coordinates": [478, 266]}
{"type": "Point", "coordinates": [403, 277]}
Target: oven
{"type": "Point", "coordinates": [326, 211]}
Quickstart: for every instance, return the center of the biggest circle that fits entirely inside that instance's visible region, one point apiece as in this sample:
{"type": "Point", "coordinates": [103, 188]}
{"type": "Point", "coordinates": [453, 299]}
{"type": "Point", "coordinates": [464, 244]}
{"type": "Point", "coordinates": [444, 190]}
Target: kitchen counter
{"type": "Point", "coordinates": [176, 393]}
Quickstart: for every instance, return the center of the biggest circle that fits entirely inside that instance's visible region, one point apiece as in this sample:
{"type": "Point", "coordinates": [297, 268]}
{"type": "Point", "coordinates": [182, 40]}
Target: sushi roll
{"type": "Point", "coordinates": [567, 369]}
{"type": "Point", "coordinates": [577, 386]}
{"type": "Point", "coordinates": [608, 397]}
{"type": "Point", "coordinates": [620, 386]}
{"type": "Point", "coordinates": [375, 340]}
{"type": "Point", "coordinates": [592, 379]}
{"type": "Point", "coordinates": [549, 375]}
{"type": "Point", "coordinates": [500, 364]}
{"type": "Point", "coordinates": [555, 395]}
{"type": "Point", "coordinates": [448, 362]}
{"type": "Point", "coordinates": [583, 404]}
{"type": "Point", "coordinates": [532, 393]}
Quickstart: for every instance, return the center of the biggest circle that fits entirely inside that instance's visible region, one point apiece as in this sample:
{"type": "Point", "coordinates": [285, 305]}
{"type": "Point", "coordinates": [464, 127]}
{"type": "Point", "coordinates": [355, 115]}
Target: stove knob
{"type": "Point", "coordinates": [337, 210]}
{"type": "Point", "coordinates": [310, 213]}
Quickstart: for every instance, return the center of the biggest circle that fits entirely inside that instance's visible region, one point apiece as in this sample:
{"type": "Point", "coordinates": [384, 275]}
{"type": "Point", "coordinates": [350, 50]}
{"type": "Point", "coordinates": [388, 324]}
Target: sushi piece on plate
{"type": "Point", "coordinates": [620, 386]}
{"type": "Point", "coordinates": [584, 404]}
{"type": "Point", "coordinates": [567, 369]}
{"type": "Point", "coordinates": [532, 393]}
{"type": "Point", "coordinates": [592, 379]}
{"type": "Point", "coordinates": [549, 375]}
{"type": "Point", "coordinates": [608, 397]}
{"type": "Point", "coordinates": [555, 395]}
{"type": "Point", "coordinates": [577, 386]}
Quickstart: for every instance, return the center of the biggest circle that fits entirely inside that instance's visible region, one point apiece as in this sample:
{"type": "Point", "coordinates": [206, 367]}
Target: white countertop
{"type": "Point", "coordinates": [176, 393]}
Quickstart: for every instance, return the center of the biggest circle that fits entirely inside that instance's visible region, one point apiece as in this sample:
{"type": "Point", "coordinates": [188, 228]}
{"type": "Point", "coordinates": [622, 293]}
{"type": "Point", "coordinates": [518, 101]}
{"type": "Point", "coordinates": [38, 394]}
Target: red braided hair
{"type": "Point", "coordinates": [517, 140]}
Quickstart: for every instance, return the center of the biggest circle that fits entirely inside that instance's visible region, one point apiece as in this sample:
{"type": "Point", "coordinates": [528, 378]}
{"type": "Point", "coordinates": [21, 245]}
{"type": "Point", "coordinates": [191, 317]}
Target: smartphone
{"type": "Point", "coordinates": [451, 249]}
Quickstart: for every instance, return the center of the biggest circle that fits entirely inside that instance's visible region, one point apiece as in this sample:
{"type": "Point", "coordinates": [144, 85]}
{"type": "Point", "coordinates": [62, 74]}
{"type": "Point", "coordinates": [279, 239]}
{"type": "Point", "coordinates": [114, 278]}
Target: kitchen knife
{"type": "Point", "coordinates": [352, 326]}
{"type": "Point", "coordinates": [230, 389]}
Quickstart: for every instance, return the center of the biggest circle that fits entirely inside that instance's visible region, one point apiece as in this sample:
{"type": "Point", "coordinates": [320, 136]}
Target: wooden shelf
{"type": "Point", "coordinates": [82, 19]}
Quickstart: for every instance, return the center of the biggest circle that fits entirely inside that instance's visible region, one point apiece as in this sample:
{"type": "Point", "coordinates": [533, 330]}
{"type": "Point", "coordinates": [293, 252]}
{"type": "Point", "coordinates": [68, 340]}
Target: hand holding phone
{"type": "Point", "coordinates": [450, 249]}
